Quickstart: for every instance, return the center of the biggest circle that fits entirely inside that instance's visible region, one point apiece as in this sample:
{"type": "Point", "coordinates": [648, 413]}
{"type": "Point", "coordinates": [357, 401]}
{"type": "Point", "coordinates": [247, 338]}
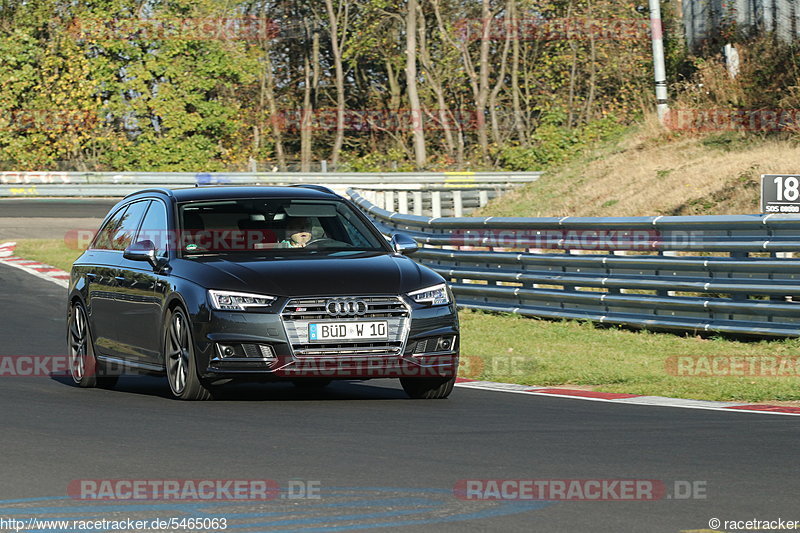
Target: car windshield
{"type": "Point", "coordinates": [270, 225]}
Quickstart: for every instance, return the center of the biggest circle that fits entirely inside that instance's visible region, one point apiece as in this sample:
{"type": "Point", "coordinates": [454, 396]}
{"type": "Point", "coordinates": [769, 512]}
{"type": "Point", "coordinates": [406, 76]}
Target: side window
{"type": "Point", "coordinates": [154, 227]}
{"type": "Point", "coordinates": [128, 226]}
{"type": "Point", "coordinates": [103, 239]}
{"type": "Point", "coordinates": [355, 232]}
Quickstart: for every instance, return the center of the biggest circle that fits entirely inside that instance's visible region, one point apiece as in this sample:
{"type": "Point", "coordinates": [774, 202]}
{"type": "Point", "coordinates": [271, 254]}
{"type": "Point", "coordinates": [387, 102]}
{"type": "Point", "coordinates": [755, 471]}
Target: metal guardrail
{"type": "Point", "coordinates": [436, 200]}
{"type": "Point", "coordinates": [103, 184]}
{"type": "Point", "coordinates": [726, 274]}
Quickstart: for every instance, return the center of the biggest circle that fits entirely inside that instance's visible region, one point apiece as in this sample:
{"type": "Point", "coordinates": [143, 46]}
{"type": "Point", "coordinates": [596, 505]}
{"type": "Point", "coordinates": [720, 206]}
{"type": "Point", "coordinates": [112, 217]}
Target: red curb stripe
{"type": "Point", "coordinates": [465, 380]}
{"type": "Point", "coordinates": [47, 269]}
{"type": "Point", "coordinates": [768, 408]}
{"type": "Point", "coordinates": [586, 393]}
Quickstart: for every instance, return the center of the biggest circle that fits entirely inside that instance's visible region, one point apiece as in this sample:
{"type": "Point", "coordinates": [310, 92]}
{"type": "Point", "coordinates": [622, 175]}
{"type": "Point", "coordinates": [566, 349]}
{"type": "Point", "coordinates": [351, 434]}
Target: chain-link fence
{"type": "Point", "coordinates": [708, 19]}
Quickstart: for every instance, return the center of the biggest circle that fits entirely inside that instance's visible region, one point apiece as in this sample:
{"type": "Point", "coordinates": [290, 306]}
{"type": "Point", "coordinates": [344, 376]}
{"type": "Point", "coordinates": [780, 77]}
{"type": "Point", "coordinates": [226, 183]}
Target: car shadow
{"type": "Point", "coordinates": [377, 389]}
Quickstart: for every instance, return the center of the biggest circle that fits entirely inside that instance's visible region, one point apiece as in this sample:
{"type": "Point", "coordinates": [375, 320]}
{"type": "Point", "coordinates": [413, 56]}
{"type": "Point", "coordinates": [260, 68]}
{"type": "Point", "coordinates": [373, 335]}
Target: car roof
{"type": "Point", "coordinates": [195, 194]}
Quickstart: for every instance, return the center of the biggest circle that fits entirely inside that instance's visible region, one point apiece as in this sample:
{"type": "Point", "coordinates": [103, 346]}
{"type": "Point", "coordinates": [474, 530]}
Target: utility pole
{"type": "Point", "coordinates": [657, 31]}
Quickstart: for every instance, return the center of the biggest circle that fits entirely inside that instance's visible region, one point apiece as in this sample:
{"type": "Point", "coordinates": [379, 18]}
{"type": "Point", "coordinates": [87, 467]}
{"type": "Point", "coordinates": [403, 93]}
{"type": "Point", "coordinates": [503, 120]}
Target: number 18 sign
{"type": "Point", "coordinates": [780, 193]}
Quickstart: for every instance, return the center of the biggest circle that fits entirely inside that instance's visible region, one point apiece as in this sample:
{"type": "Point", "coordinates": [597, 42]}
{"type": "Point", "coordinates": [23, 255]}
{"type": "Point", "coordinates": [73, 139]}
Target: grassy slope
{"type": "Point", "coordinates": [652, 172]}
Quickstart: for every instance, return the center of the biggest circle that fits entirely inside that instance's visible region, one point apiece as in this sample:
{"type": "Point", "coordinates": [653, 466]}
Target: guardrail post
{"type": "Point", "coordinates": [458, 204]}
{"type": "Point", "coordinates": [667, 253]}
{"type": "Point", "coordinates": [483, 197]}
{"type": "Point", "coordinates": [436, 204]}
{"type": "Point", "coordinates": [388, 199]}
{"type": "Point", "coordinates": [417, 196]}
{"type": "Point", "coordinates": [739, 255]}
{"type": "Point", "coordinates": [402, 202]}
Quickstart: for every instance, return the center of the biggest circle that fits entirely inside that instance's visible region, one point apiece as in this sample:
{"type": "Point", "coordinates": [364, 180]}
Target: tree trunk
{"type": "Point", "coordinates": [420, 157]}
{"type": "Point", "coordinates": [306, 119]}
{"type": "Point", "coordinates": [592, 71]}
{"type": "Point", "coordinates": [268, 92]}
{"type": "Point", "coordinates": [498, 86]}
{"type": "Point", "coordinates": [336, 51]}
{"type": "Point", "coordinates": [436, 84]}
{"type": "Point", "coordinates": [517, 109]}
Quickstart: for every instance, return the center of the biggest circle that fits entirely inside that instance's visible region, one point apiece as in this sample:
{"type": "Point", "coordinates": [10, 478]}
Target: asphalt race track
{"type": "Point", "coordinates": [56, 207]}
{"type": "Point", "coordinates": [370, 457]}
{"type": "Point", "coordinates": [50, 218]}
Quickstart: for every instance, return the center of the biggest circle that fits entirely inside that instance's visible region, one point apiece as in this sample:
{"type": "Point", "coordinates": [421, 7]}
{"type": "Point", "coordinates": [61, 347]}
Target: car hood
{"type": "Point", "coordinates": [309, 275]}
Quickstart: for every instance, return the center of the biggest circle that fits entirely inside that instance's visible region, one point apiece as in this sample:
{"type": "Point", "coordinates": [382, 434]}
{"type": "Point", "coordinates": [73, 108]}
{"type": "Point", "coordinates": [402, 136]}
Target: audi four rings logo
{"type": "Point", "coordinates": [346, 307]}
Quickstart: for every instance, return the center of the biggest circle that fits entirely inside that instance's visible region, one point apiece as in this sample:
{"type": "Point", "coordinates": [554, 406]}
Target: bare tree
{"type": "Point", "coordinates": [501, 77]}
{"type": "Point", "coordinates": [515, 91]}
{"type": "Point", "coordinates": [434, 80]}
{"type": "Point", "coordinates": [420, 157]}
{"type": "Point", "coordinates": [338, 33]}
{"type": "Point", "coordinates": [310, 83]}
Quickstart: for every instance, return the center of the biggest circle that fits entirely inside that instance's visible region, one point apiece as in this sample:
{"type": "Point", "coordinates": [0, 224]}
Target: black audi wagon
{"type": "Point", "coordinates": [210, 285]}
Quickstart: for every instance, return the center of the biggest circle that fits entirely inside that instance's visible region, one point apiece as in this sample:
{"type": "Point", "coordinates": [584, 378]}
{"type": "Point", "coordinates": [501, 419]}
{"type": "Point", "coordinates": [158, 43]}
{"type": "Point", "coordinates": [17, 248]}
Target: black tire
{"type": "Point", "coordinates": [428, 388]}
{"type": "Point", "coordinates": [311, 383]}
{"type": "Point", "coordinates": [179, 359]}
{"type": "Point", "coordinates": [82, 363]}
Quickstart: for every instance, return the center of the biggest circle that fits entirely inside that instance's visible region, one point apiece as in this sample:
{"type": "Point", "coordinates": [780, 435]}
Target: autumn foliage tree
{"type": "Point", "coordinates": [194, 85]}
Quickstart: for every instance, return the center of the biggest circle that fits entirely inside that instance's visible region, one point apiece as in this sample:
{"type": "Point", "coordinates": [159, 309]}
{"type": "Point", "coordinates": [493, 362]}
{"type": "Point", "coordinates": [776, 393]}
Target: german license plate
{"type": "Point", "coordinates": [348, 331]}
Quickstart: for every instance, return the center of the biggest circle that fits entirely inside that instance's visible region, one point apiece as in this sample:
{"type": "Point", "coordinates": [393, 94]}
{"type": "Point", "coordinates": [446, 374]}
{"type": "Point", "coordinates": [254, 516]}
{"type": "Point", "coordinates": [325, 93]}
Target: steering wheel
{"type": "Point", "coordinates": [323, 241]}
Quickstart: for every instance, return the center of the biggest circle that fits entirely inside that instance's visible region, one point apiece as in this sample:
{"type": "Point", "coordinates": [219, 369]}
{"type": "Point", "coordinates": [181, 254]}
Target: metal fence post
{"type": "Point", "coordinates": [458, 204]}
{"type": "Point", "coordinates": [402, 202]}
{"type": "Point", "coordinates": [436, 204]}
{"type": "Point", "coordinates": [417, 195]}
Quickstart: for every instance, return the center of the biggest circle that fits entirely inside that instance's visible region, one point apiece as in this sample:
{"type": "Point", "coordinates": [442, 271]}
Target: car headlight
{"type": "Point", "coordinates": [436, 295]}
{"type": "Point", "coordinates": [238, 301]}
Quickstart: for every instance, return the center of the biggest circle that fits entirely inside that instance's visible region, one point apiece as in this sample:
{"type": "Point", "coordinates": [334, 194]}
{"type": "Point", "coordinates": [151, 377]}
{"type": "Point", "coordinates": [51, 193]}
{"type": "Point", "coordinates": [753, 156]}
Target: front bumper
{"type": "Point", "coordinates": [420, 356]}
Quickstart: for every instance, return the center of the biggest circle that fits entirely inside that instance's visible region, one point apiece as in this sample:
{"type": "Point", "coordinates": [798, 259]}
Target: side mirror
{"type": "Point", "coordinates": [142, 251]}
{"type": "Point", "coordinates": [404, 244]}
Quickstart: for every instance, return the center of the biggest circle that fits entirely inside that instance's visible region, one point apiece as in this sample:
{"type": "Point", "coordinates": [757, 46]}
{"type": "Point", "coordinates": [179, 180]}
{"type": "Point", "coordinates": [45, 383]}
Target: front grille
{"type": "Point", "coordinates": [300, 312]}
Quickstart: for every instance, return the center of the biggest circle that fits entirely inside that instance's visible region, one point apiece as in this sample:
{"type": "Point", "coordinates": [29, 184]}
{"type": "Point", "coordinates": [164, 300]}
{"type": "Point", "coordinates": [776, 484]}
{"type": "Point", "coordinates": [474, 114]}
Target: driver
{"type": "Point", "coordinates": [299, 232]}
